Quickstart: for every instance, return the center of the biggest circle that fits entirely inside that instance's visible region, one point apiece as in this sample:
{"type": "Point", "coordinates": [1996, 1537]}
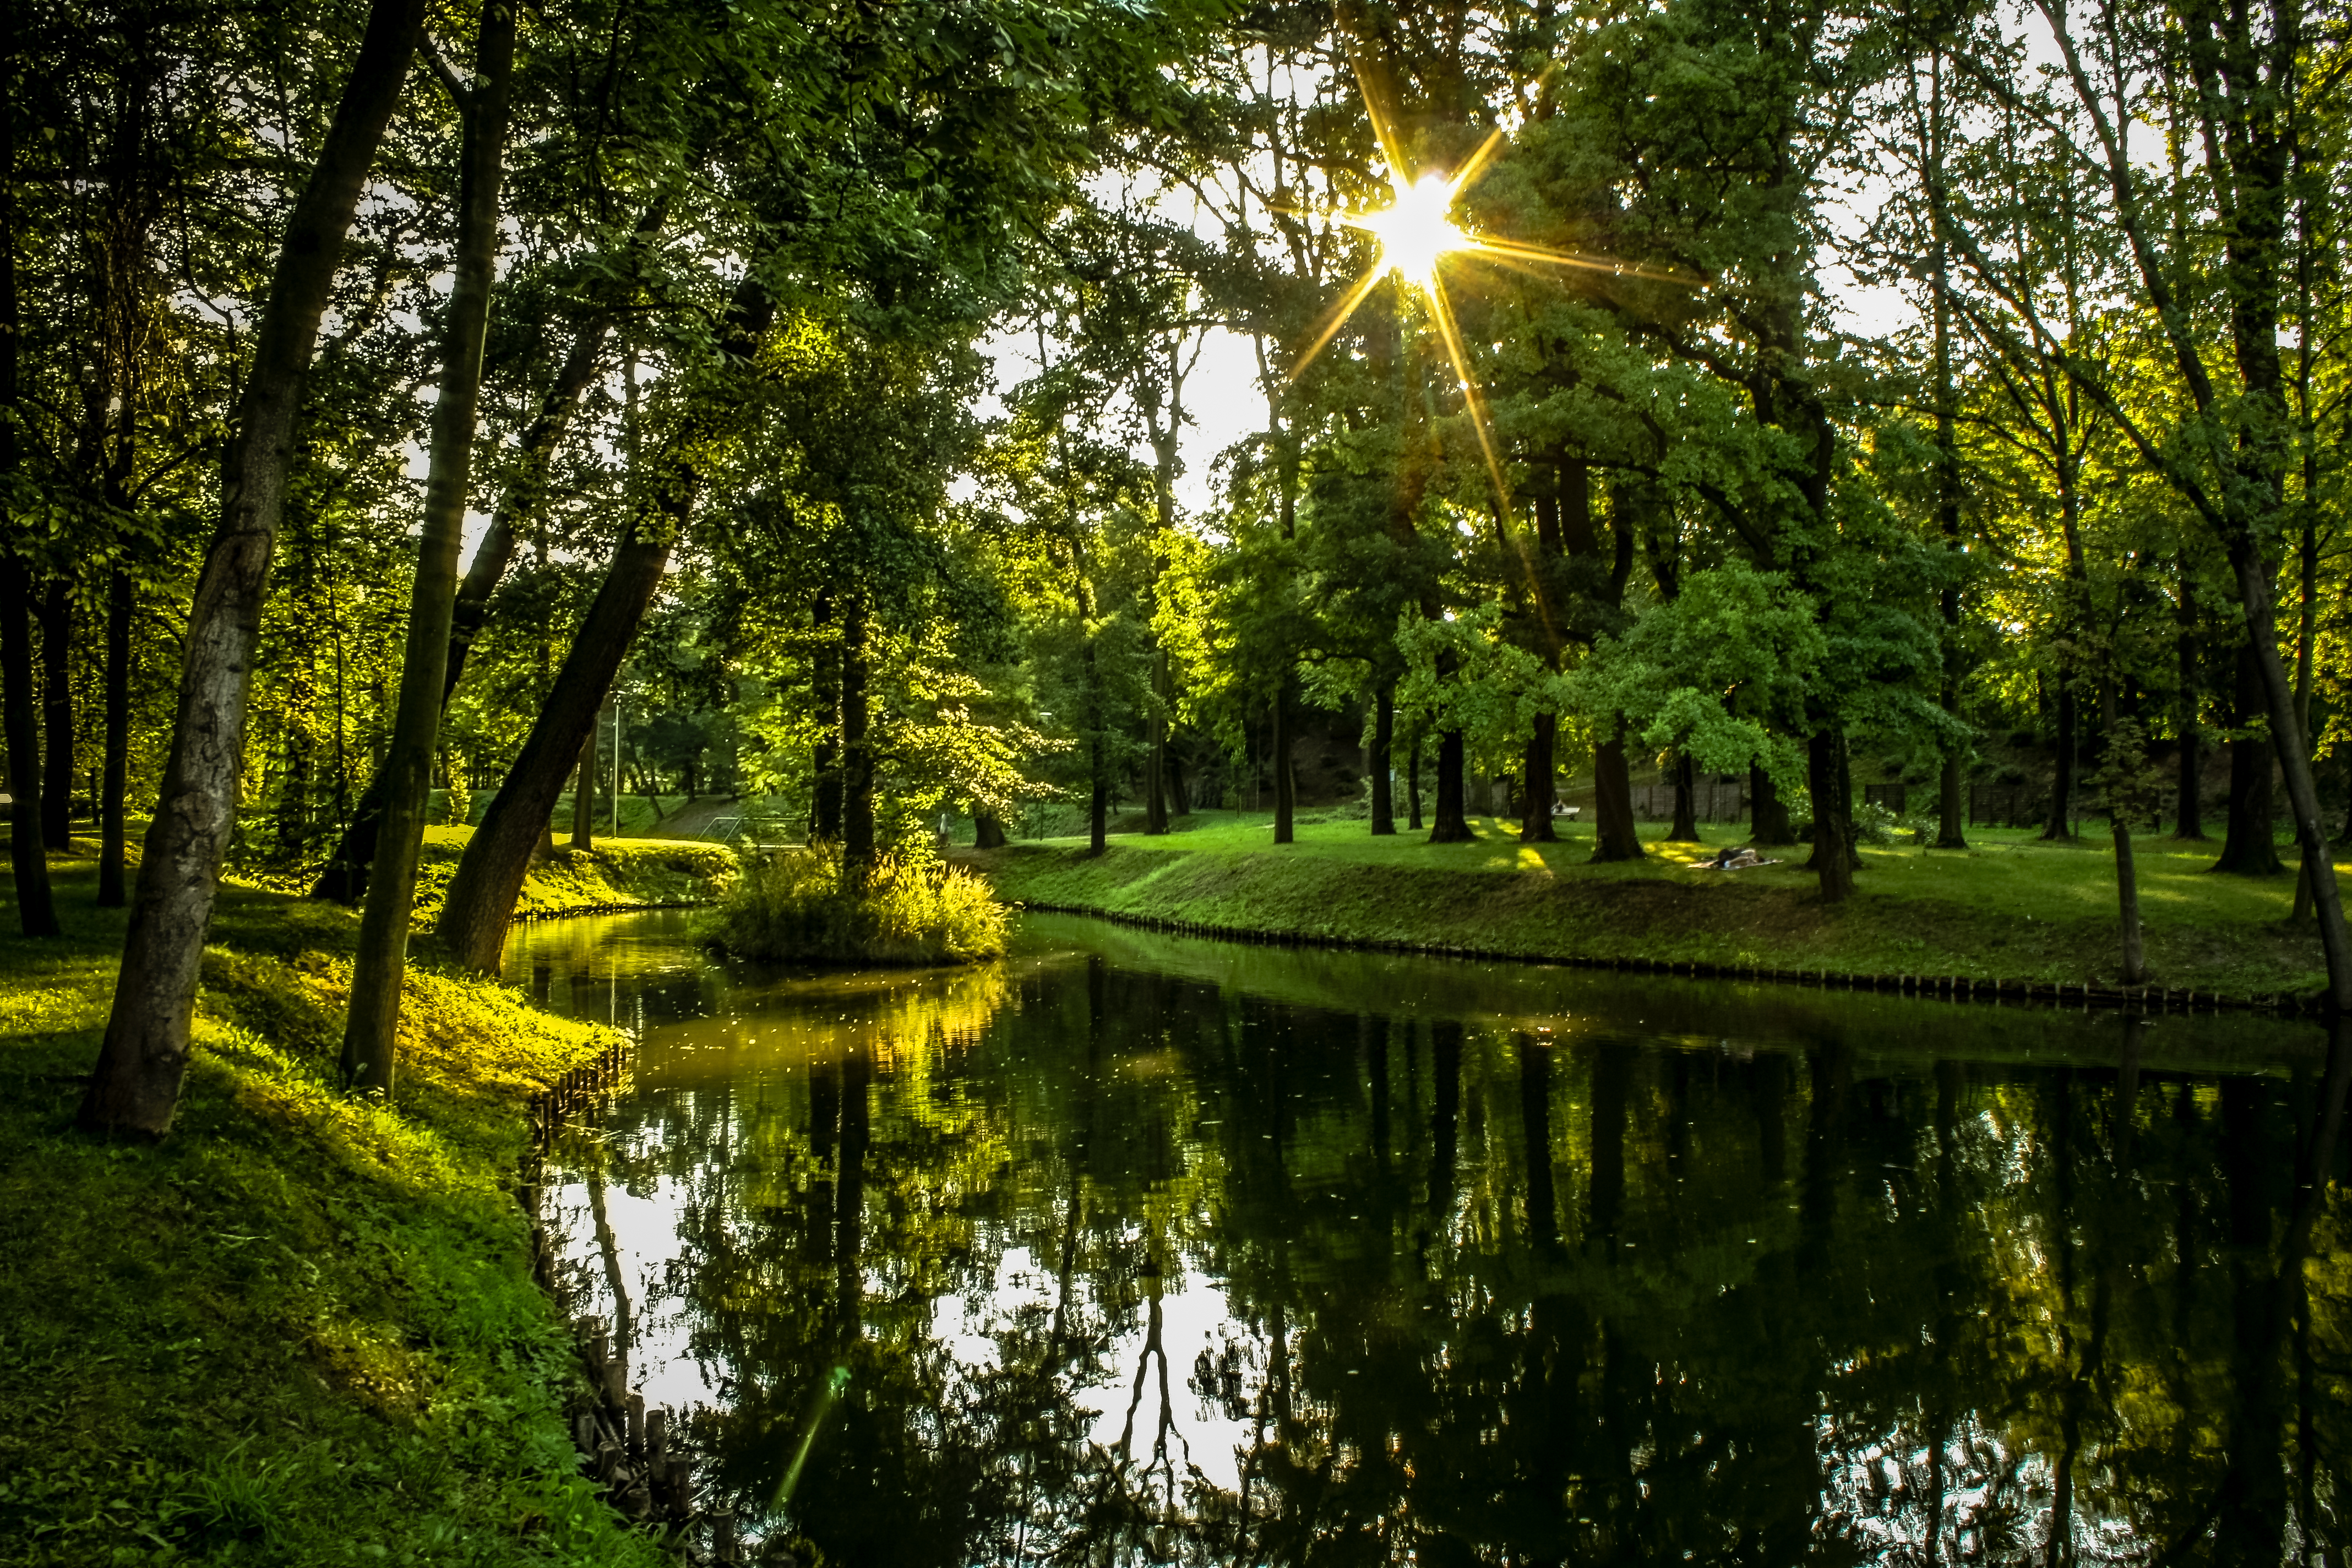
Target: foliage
{"type": "Point", "coordinates": [801, 906]}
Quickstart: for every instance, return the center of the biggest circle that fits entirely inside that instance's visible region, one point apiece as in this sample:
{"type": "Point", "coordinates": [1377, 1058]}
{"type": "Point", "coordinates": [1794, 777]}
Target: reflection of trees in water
{"type": "Point", "coordinates": [1500, 1300]}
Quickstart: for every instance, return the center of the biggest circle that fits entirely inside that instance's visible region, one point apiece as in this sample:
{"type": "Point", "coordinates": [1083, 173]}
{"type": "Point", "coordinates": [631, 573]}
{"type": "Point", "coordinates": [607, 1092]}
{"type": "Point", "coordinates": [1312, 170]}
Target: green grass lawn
{"type": "Point", "coordinates": [300, 1330]}
{"type": "Point", "coordinates": [2010, 907]}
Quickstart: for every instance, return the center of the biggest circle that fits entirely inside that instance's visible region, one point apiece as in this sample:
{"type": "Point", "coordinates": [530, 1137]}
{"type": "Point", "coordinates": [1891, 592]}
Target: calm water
{"type": "Point", "coordinates": [1134, 1250]}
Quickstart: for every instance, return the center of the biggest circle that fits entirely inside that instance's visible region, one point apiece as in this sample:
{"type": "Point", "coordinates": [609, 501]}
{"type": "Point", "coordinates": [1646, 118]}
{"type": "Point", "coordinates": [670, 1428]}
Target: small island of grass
{"type": "Point", "coordinates": [810, 906]}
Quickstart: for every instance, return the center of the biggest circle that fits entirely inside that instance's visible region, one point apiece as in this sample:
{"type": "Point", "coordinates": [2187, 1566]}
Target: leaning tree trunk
{"type": "Point", "coordinates": [1534, 819]}
{"type": "Point", "coordinates": [1685, 827]}
{"type": "Point", "coordinates": [381, 960]}
{"type": "Point", "coordinates": [1383, 760]}
{"type": "Point", "coordinates": [57, 618]}
{"type": "Point", "coordinates": [1614, 835]}
{"type": "Point", "coordinates": [480, 902]}
{"type": "Point", "coordinates": [137, 1083]}
{"type": "Point", "coordinates": [481, 897]}
{"type": "Point", "coordinates": [345, 879]}
{"type": "Point", "coordinates": [114, 774]}
{"type": "Point", "coordinates": [1451, 822]}
{"type": "Point", "coordinates": [36, 913]}
{"type": "Point", "coordinates": [2295, 761]}
{"type": "Point", "coordinates": [2251, 848]}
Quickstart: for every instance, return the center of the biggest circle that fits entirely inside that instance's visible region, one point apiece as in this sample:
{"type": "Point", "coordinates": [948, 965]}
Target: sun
{"type": "Point", "coordinates": [1416, 230]}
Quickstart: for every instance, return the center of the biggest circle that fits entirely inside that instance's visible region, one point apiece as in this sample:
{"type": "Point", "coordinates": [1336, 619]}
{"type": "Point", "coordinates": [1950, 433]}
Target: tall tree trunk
{"type": "Point", "coordinates": [1286, 780]}
{"type": "Point", "coordinates": [1413, 784]}
{"type": "Point", "coordinates": [345, 878]}
{"type": "Point", "coordinates": [2061, 780]}
{"type": "Point", "coordinates": [987, 830]}
{"type": "Point", "coordinates": [1768, 813]}
{"type": "Point", "coordinates": [1383, 759]}
{"type": "Point", "coordinates": [36, 913]}
{"type": "Point", "coordinates": [2189, 808]}
{"type": "Point", "coordinates": [1450, 823]}
{"type": "Point", "coordinates": [857, 846]}
{"type": "Point", "coordinates": [57, 618]}
{"type": "Point", "coordinates": [136, 1085]}
{"type": "Point", "coordinates": [1614, 835]}
{"type": "Point", "coordinates": [1535, 820]}
{"type": "Point", "coordinates": [1832, 817]}
{"type": "Point", "coordinates": [1685, 827]}
{"type": "Point", "coordinates": [2251, 848]}
{"type": "Point", "coordinates": [1155, 769]}
{"type": "Point", "coordinates": [115, 774]}
{"type": "Point", "coordinates": [381, 960]}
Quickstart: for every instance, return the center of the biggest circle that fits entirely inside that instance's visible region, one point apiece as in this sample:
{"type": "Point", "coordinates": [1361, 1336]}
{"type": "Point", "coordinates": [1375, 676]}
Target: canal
{"type": "Point", "coordinates": [1143, 1249]}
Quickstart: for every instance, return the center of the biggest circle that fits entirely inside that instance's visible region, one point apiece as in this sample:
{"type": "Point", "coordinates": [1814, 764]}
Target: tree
{"type": "Point", "coordinates": [137, 1081]}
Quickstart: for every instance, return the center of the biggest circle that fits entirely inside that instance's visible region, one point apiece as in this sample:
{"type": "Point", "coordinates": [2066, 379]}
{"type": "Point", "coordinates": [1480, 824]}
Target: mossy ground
{"type": "Point", "coordinates": [2010, 907]}
{"type": "Point", "coordinates": [301, 1328]}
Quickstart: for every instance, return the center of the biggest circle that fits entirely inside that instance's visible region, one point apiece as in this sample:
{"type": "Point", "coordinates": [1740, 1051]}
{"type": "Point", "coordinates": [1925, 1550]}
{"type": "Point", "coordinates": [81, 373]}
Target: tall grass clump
{"type": "Point", "coordinates": [798, 904]}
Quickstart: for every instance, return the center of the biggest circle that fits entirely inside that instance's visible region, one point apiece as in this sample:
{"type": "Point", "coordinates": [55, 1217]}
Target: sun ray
{"type": "Point", "coordinates": [1336, 318]}
{"type": "Point", "coordinates": [1444, 312]}
{"type": "Point", "coordinates": [1471, 171]}
{"type": "Point", "coordinates": [1519, 251]}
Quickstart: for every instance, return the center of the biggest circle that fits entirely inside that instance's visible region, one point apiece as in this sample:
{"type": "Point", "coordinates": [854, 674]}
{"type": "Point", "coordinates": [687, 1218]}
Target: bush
{"type": "Point", "coordinates": [797, 905]}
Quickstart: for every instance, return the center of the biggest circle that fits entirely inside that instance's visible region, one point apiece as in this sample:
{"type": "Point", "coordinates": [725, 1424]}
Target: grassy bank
{"type": "Point", "coordinates": [2009, 907]}
{"type": "Point", "coordinates": [615, 874]}
{"type": "Point", "coordinates": [300, 1330]}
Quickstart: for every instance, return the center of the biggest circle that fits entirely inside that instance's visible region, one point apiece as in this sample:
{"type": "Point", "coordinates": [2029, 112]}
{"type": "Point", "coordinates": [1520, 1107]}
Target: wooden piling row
{"type": "Point", "coordinates": [1937, 987]}
{"type": "Point", "coordinates": [582, 1088]}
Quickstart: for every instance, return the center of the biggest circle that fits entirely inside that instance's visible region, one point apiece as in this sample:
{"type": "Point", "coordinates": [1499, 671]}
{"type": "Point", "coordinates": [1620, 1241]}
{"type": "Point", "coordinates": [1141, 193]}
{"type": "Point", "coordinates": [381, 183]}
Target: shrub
{"type": "Point", "coordinates": [797, 905]}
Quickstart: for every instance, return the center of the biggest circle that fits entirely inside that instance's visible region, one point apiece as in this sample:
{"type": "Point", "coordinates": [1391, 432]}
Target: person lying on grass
{"type": "Point", "coordinates": [1732, 859]}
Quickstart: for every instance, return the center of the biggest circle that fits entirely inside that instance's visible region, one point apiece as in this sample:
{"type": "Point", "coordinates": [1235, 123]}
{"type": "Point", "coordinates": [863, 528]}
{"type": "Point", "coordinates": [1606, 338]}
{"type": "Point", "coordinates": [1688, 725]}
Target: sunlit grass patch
{"type": "Point", "coordinates": [301, 1328]}
{"type": "Point", "coordinates": [2012, 906]}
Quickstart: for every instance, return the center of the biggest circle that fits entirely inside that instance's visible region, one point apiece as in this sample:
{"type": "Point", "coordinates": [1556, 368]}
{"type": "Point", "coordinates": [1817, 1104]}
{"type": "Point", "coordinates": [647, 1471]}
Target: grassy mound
{"type": "Point", "coordinates": [796, 905]}
{"type": "Point", "coordinates": [2010, 907]}
{"type": "Point", "coordinates": [302, 1329]}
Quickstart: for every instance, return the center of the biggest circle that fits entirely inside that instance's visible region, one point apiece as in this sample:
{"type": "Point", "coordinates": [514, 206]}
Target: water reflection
{"type": "Point", "coordinates": [1156, 1251]}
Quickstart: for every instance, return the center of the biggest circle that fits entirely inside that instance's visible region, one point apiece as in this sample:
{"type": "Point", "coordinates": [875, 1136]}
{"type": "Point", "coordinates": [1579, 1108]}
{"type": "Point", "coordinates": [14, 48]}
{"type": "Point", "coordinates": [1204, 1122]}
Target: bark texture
{"type": "Point", "coordinates": [2249, 848]}
{"type": "Point", "coordinates": [406, 773]}
{"type": "Point", "coordinates": [1451, 823]}
{"type": "Point", "coordinates": [136, 1085]}
{"type": "Point", "coordinates": [1535, 820]}
{"type": "Point", "coordinates": [1383, 760]}
{"type": "Point", "coordinates": [36, 913]}
{"type": "Point", "coordinates": [1614, 833]}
